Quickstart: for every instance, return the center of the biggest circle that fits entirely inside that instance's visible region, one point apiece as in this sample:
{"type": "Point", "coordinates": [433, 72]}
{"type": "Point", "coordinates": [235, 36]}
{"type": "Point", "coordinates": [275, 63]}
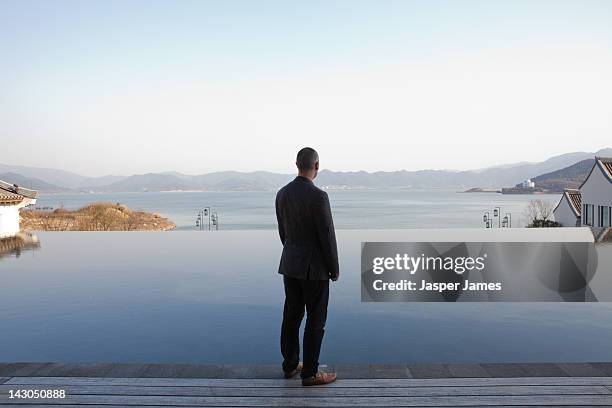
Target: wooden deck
{"type": "Point", "coordinates": [568, 385]}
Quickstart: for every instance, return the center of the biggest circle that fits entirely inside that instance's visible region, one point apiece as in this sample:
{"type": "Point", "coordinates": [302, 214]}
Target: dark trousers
{"type": "Point", "coordinates": [312, 295]}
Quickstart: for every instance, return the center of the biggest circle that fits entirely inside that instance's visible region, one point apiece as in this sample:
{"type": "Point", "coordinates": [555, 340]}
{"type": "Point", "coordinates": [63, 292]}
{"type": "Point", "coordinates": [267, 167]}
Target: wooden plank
{"type": "Point", "coordinates": [325, 391]}
{"type": "Point", "coordinates": [175, 406]}
{"type": "Point", "coordinates": [216, 382]}
{"type": "Point", "coordinates": [462, 401]}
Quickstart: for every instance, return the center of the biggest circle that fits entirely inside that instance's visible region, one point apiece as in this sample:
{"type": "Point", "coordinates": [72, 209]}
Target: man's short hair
{"type": "Point", "coordinates": [306, 158]}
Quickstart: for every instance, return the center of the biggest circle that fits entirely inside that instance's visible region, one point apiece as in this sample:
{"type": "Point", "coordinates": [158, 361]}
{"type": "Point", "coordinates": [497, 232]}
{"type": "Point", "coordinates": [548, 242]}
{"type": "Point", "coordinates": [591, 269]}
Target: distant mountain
{"type": "Point", "coordinates": [568, 177]}
{"type": "Point", "coordinates": [512, 175]}
{"type": "Point", "coordinates": [61, 178]}
{"type": "Point", "coordinates": [32, 183]}
{"type": "Point", "coordinates": [93, 182]}
{"type": "Point", "coordinates": [260, 180]}
{"type": "Point", "coordinates": [219, 181]}
{"type": "Point", "coordinates": [394, 179]}
{"type": "Point", "coordinates": [144, 182]}
{"type": "Point", "coordinates": [488, 178]}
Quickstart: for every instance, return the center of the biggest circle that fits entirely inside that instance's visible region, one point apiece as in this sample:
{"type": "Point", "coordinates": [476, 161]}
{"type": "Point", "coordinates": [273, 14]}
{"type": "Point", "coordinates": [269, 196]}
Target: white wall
{"type": "Point", "coordinates": [563, 213]}
{"type": "Point", "coordinates": [9, 221]}
{"type": "Point", "coordinates": [598, 191]}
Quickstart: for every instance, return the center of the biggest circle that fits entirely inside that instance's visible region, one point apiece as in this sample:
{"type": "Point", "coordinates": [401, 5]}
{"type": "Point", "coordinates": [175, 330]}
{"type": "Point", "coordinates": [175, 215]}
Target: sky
{"type": "Point", "coordinates": [129, 87]}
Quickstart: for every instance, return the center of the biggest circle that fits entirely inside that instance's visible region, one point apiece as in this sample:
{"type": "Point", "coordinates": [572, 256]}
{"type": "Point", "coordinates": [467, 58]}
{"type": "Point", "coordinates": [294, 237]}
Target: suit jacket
{"type": "Point", "coordinates": [306, 229]}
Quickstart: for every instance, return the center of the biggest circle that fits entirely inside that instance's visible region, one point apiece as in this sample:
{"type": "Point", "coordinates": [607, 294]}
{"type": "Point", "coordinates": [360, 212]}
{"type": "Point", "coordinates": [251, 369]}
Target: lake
{"type": "Point", "coordinates": [200, 297]}
{"type": "Point", "coordinates": [352, 209]}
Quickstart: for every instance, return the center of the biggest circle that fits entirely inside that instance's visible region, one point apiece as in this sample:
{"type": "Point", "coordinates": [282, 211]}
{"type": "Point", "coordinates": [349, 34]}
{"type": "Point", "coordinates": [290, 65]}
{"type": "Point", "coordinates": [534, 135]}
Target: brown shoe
{"type": "Point", "coordinates": [319, 379]}
{"type": "Point", "coordinates": [291, 374]}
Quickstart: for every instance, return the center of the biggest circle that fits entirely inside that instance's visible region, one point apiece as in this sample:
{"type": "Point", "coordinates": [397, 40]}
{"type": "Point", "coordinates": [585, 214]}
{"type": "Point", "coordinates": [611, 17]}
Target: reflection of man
{"type": "Point", "coordinates": [308, 261]}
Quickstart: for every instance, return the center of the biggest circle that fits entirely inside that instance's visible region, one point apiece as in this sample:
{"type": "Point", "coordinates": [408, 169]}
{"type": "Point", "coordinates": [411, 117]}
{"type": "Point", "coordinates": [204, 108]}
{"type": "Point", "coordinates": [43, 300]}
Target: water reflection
{"type": "Point", "coordinates": [603, 235]}
{"type": "Point", "coordinates": [14, 246]}
{"type": "Point", "coordinates": [195, 297]}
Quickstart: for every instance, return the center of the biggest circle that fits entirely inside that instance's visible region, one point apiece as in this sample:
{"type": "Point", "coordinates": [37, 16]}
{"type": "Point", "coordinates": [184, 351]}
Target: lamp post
{"type": "Point", "coordinates": [497, 213]}
{"type": "Point", "coordinates": [205, 212]}
{"type": "Point", "coordinates": [486, 218]}
{"type": "Point", "coordinates": [215, 220]}
{"type": "Point", "coordinates": [507, 221]}
{"type": "Point", "coordinates": [200, 220]}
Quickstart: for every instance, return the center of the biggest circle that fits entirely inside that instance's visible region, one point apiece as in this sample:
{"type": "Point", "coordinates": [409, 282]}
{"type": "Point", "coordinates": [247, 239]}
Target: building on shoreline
{"type": "Point", "coordinates": [525, 187]}
{"type": "Point", "coordinates": [527, 184]}
{"type": "Point", "coordinates": [596, 192]}
{"type": "Point", "coordinates": [569, 208]}
{"type": "Point", "coordinates": [12, 199]}
{"type": "Point", "coordinates": [591, 204]}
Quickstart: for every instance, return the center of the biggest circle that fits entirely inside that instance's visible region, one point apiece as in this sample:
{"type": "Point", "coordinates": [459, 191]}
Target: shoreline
{"type": "Point", "coordinates": [100, 216]}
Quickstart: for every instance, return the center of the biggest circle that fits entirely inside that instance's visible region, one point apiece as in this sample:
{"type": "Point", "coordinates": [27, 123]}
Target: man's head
{"type": "Point", "coordinates": [307, 162]}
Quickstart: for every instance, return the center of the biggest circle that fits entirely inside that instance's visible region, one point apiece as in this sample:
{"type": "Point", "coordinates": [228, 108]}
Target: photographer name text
{"type": "Point", "coordinates": [413, 264]}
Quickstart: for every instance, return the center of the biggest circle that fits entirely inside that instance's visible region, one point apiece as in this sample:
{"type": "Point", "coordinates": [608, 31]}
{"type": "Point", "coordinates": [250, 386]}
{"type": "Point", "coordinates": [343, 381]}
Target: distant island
{"type": "Point", "coordinates": [94, 217]}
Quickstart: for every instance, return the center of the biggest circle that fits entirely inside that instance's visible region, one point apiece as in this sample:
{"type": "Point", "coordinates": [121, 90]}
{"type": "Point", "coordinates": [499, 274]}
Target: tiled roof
{"type": "Point", "coordinates": [8, 188]}
{"type": "Point", "coordinates": [9, 198]}
{"type": "Point", "coordinates": [575, 200]}
{"type": "Point", "coordinates": [606, 165]}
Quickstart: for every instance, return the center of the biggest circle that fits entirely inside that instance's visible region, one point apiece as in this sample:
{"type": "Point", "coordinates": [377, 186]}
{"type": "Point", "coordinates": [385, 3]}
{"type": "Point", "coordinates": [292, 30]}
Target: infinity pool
{"type": "Point", "coordinates": [215, 297]}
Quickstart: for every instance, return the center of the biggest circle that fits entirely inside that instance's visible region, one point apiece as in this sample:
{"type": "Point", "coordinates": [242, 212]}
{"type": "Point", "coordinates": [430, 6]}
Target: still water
{"type": "Point", "coordinates": [352, 209]}
{"type": "Point", "coordinates": [215, 297]}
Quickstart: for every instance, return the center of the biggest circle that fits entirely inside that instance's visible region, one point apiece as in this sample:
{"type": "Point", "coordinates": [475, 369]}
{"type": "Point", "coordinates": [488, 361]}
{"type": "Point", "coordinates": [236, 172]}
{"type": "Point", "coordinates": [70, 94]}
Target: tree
{"type": "Point", "coordinates": [539, 213]}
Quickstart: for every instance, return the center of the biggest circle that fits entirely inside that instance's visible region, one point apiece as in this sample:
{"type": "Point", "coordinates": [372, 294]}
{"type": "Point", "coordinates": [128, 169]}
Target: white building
{"type": "Point", "coordinates": [528, 184]}
{"type": "Point", "coordinates": [12, 199]}
{"type": "Point", "coordinates": [596, 192]}
{"type": "Point", "coordinates": [568, 210]}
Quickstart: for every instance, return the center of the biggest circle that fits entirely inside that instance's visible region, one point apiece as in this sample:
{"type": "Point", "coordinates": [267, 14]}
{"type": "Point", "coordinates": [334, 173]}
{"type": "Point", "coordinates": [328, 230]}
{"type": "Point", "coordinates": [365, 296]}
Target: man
{"type": "Point", "coordinates": [309, 260]}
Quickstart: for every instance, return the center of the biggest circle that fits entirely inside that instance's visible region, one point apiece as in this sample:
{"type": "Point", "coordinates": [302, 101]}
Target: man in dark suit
{"type": "Point", "coordinates": [309, 260]}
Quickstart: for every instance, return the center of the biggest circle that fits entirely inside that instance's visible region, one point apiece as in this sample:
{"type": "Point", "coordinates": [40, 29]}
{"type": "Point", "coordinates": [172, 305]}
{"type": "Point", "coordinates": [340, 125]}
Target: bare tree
{"type": "Point", "coordinates": [129, 221]}
{"type": "Point", "coordinates": [539, 213]}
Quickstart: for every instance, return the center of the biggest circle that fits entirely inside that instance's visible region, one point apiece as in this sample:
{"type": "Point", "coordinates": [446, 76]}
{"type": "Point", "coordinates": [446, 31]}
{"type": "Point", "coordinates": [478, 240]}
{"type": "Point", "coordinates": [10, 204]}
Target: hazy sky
{"type": "Point", "coordinates": [104, 87]}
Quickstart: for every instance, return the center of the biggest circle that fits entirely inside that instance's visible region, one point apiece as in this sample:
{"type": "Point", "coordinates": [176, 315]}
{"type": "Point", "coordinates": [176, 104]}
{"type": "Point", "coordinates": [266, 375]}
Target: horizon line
{"type": "Point", "coordinates": [517, 163]}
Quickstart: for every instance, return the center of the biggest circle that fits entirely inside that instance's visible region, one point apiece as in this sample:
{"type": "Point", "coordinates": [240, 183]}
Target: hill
{"type": "Point", "coordinates": [488, 178]}
{"type": "Point", "coordinates": [568, 177]}
{"type": "Point", "coordinates": [32, 183]}
{"type": "Point", "coordinates": [61, 178]}
{"type": "Point", "coordinates": [145, 182]}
